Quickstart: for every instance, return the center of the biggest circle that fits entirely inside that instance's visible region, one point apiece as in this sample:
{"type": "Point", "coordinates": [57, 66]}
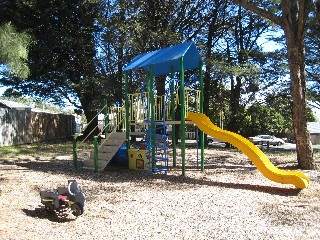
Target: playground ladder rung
{"type": "Point", "coordinates": [159, 135]}
{"type": "Point", "coordinates": [158, 147]}
{"type": "Point", "coordinates": [149, 166]}
{"type": "Point", "coordinates": [160, 159]}
{"type": "Point", "coordinates": [158, 123]}
{"type": "Point", "coordinates": [159, 170]}
{"type": "Point", "coordinates": [156, 157]}
{"type": "Point", "coordinates": [154, 130]}
{"type": "Point", "coordinates": [155, 141]}
{"type": "Point", "coordinates": [136, 133]}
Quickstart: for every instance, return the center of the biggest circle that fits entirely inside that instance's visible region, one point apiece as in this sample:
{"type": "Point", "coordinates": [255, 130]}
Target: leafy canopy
{"type": "Point", "coordinates": [14, 50]}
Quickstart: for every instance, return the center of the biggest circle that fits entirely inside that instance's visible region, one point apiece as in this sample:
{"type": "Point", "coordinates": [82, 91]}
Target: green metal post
{"type": "Point", "coordinates": [106, 117]}
{"type": "Point", "coordinates": [152, 113]}
{"type": "Point", "coordinates": [75, 156]}
{"type": "Point", "coordinates": [95, 154]}
{"type": "Point", "coordinates": [173, 117]}
{"type": "Point", "coordinates": [148, 98]}
{"type": "Point", "coordinates": [126, 85]}
{"type": "Point", "coordinates": [183, 120]}
{"type": "Point", "coordinates": [201, 110]}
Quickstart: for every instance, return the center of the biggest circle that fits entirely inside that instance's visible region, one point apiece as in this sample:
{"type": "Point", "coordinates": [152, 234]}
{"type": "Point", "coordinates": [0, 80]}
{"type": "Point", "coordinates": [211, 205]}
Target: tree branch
{"type": "Point", "coordinates": [265, 14]}
{"type": "Point", "coordinates": [66, 95]}
{"type": "Point", "coordinates": [316, 18]}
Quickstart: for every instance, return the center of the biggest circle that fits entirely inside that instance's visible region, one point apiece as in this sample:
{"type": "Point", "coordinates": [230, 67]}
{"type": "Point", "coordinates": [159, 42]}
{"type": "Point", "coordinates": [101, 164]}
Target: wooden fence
{"type": "Point", "coordinates": [27, 126]}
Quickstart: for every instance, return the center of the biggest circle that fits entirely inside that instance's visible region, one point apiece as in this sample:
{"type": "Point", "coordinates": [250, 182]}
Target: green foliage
{"type": "Point", "coordinates": [310, 115]}
{"type": "Point", "coordinates": [261, 119]}
{"type": "Point", "coordinates": [62, 59]}
{"type": "Point", "coordinates": [274, 118]}
{"type": "Point", "coordinates": [49, 149]}
{"type": "Point", "coordinates": [282, 103]}
{"type": "Point", "coordinates": [14, 50]}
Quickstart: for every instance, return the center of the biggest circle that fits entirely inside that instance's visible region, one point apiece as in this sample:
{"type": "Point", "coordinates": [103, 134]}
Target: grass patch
{"type": "Point", "coordinates": [48, 149]}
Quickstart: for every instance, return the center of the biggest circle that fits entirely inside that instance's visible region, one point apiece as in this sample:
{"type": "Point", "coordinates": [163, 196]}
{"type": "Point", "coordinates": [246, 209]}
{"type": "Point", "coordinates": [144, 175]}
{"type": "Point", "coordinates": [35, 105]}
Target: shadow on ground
{"type": "Point", "coordinates": [40, 213]}
{"type": "Point", "coordinates": [116, 174]}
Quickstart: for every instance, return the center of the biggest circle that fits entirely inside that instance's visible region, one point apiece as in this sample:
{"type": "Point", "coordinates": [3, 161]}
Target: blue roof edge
{"type": "Point", "coordinates": [163, 60]}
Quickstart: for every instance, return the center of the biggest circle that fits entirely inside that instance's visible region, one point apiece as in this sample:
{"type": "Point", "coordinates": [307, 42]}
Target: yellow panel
{"type": "Point", "coordinates": [137, 159]}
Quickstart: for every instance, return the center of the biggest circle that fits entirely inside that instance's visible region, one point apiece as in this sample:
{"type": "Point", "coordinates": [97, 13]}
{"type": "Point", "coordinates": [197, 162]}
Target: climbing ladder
{"type": "Point", "coordinates": [157, 139]}
{"type": "Point", "coordinates": [157, 148]}
{"type": "Point", "coordinates": [106, 150]}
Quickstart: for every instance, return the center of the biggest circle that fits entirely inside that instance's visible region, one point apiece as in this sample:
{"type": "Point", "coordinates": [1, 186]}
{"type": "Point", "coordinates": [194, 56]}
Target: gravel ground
{"type": "Point", "coordinates": [230, 200]}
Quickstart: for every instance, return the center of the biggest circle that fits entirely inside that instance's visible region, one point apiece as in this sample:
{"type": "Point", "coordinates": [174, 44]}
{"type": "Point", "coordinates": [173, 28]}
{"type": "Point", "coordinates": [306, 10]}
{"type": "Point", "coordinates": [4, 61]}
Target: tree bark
{"type": "Point", "coordinates": [296, 59]}
{"type": "Point", "coordinates": [235, 95]}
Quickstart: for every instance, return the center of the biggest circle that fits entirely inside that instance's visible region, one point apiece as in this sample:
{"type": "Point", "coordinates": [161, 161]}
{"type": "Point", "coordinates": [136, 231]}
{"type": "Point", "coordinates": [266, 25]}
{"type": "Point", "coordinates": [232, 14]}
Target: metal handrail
{"type": "Point", "coordinates": [114, 129]}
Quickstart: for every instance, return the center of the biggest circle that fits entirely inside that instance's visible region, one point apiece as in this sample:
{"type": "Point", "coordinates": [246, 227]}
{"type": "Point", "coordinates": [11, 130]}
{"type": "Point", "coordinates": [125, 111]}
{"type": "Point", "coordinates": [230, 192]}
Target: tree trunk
{"type": "Point", "coordinates": [90, 114]}
{"type": "Point", "coordinates": [89, 96]}
{"type": "Point", "coordinates": [295, 14]}
{"type": "Point", "coordinates": [235, 96]}
{"type": "Point", "coordinates": [296, 58]}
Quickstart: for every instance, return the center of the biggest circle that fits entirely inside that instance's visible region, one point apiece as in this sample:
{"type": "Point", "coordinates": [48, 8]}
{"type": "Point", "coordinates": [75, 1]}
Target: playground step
{"type": "Point", "coordinates": [110, 148]}
{"type": "Point", "coordinates": [113, 142]}
{"type": "Point", "coordinates": [116, 135]}
{"type": "Point", "coordinates": [103, 156]}
{"type": "Point", "coordinates": [88, 164]}
{"type": "Point", "coordinates": [107, 151]}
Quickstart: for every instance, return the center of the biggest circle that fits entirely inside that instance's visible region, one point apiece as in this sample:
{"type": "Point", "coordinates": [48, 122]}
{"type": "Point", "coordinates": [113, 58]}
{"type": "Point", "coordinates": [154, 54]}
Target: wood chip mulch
{"type": "Point", "coordinates": [230, 200]}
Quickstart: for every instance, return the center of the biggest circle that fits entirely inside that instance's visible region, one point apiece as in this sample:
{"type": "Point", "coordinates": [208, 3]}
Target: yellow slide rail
{"type": "Point", "coordinates": [254, 153]}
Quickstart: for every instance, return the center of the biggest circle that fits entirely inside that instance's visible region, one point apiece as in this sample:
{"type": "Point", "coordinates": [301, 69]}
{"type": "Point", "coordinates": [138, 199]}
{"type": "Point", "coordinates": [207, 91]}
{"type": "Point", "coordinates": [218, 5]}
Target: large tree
{"type": "Point", "coordinates": [14, 50]}
{"type": "Point", "coordinates": [295, 17]}
{"type": "Point", "coordinates": [243, 54]}
{"type": "Point", "coordinates": [217, 23]}
{"type": "Point", "coordinates": [62, 58]}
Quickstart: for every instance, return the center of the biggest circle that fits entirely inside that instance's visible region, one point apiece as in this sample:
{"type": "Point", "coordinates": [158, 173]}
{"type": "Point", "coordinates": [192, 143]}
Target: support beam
{"type": "Point", "coordinates": [126, 86]}
{"type": "Point", "coordinates": [183, 120]}
{"type": "Point", "coordinates": [106, 118]}
{"type": "Point", "coordinates": [173, 118]}
{"type": "Point", "coordinates": [201, 111]}
{"type": "Point", "coordinates": [152, 114]}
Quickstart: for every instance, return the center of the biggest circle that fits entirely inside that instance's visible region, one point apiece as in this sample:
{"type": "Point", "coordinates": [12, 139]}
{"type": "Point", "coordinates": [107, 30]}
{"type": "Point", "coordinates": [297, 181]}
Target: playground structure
{"type": "Point", "coordinates": [146, 115]}
{"type": "Point", "coordinates": [152, 113]}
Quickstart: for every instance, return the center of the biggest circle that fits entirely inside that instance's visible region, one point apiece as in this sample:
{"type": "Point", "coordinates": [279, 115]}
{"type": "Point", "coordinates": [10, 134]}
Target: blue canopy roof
{"type": "Point", "coordinates": [163, 60]}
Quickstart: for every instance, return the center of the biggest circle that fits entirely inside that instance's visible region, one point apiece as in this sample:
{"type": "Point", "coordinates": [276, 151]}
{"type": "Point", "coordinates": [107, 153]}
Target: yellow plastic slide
{"type": "Point", "coordinates": [254, 153]}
